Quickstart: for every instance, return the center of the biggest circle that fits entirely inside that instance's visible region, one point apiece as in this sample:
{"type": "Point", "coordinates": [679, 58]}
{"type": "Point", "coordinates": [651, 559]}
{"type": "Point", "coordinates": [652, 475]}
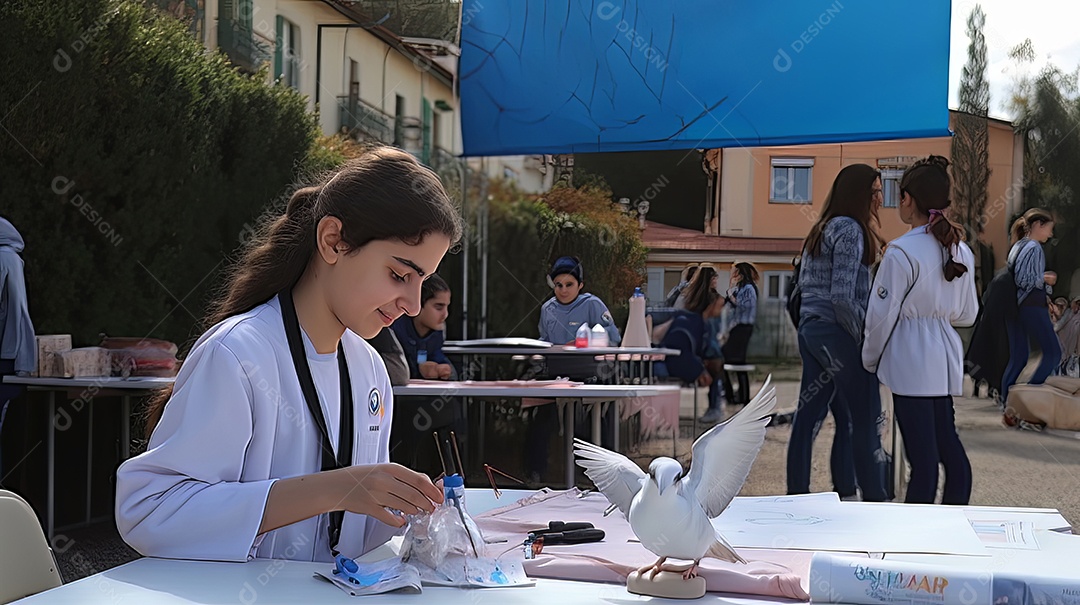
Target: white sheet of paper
{"type": "Point", "coordinates": [1003, 533]}
{"type": "Point", "coordinates": [822, 522]}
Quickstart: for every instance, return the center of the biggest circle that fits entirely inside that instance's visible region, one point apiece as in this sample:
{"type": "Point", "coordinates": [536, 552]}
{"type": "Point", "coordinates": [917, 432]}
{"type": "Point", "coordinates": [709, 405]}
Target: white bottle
{"type": "Point", "coordinates": [599, 336]}
{"type": "Point", "coordinates": [636, 334]}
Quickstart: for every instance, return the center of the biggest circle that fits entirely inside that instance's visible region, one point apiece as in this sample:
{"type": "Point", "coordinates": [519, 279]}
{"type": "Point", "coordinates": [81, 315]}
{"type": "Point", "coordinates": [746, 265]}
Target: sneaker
{"type": "Point", "coordinates": [712, 416]}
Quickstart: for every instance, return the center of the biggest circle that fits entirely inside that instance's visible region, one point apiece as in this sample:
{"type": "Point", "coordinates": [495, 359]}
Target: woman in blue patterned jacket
{"type": "Point", "coordinates": [834, 277]}
{"type": "Point", "coordinates": [1033, 286]}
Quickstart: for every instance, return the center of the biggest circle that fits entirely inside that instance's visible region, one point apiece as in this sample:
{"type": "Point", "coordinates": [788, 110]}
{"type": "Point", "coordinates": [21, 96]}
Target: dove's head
{"type": "Point", "coordinates": [664, 472]}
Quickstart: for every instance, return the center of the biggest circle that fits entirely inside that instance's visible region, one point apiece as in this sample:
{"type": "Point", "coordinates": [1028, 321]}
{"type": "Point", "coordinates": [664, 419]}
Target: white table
{"type": "Point", "coordinates": [568, 396]}
{"type": "Point", "coordinates": [644, 356]}
{"type": "Point", "coordinates": [150, 581]}
{"type": "Point", "coordinates": [91, 387]}
{"type": "Point", "coordinates": [271, 582]}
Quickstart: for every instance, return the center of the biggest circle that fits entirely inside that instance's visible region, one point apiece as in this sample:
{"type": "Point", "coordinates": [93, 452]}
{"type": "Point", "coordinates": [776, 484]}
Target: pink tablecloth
{"type": "Point", "coordinates": [773, 573]}
{"type": "Point", "coordinates": [659, 412]}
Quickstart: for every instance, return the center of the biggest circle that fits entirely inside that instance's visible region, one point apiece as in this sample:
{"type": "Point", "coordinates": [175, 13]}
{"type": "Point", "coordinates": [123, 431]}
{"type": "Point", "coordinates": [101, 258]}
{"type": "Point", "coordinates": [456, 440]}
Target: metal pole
{"type": "Point", "coordinates": [463, 166]}
{"type": "Point", "coordinates": [484, 253]}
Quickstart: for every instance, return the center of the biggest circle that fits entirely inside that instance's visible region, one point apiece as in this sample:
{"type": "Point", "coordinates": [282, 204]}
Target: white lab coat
{"type": "Point", "coordinates": [912, 343]}
{"type": "Point", "coordinates": [237, 421]}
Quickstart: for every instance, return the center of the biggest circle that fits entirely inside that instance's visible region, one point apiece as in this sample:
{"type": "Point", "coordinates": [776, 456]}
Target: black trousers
{"type": "Point", "coordinates": [734, 351]}
{"type": "Point", "coordinates": [928, 427]}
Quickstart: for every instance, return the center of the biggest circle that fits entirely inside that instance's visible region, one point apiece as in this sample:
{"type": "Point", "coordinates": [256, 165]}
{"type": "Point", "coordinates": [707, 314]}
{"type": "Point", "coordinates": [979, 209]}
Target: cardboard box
{"type": "Point", "coordinates": [47, 345]}
{"type": "Point", "coordinates": [86, 361]}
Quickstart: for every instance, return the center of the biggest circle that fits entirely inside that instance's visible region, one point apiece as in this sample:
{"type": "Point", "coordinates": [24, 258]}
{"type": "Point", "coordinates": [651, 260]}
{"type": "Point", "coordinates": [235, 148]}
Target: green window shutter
{"type": "Point", "coordinates": [425, 152]}
{"type": "Point", "coordinates": [279, 37]}
{"type": "Point", "coordinates": [247, 15]}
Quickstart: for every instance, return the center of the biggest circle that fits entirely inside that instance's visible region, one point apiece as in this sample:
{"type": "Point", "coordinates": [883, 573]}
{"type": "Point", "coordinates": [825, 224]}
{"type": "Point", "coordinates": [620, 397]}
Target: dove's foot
{"type": "Point", "coordinates": [653, 569]}
{"type": "Point", "coordinates": [691, 572]}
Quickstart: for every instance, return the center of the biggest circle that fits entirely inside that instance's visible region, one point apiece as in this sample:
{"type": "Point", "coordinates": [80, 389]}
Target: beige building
{"type": "Point", "coordinates": [765, 200]}
{"type": "Point", "coordinates": [360, 77]}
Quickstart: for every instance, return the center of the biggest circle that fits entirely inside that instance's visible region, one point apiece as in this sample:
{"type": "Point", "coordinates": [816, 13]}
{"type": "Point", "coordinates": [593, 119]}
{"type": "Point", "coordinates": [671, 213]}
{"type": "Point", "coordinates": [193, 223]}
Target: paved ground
{"type": "Point", "coordinates": [1010, 467]}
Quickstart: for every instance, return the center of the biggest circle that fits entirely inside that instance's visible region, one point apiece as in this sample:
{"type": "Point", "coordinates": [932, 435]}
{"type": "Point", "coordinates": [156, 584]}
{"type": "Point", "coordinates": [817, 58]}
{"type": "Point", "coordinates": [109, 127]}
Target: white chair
{"type": "Point", "coordinates": [27, 565]}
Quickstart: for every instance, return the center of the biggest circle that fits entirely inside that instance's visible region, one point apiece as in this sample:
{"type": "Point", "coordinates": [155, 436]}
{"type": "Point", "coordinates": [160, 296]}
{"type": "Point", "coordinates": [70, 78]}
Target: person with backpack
{"type": "Point", "coordinates": [1033, 287]}
{"type": "Point", "coordinates": [834, 278]}
{"type": "Point", "coordinates": [910, 340]}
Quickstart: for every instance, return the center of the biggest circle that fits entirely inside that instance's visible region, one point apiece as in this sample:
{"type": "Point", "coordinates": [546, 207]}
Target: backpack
{"type": "Point", "coordinates": [794, 294]}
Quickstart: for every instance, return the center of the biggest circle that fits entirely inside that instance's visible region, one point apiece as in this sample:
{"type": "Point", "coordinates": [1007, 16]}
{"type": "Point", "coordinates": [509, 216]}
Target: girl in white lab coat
{"type": "Point", "coordinates": [924, 288]}
{"type": "Point", "coordinates": [274, 441]}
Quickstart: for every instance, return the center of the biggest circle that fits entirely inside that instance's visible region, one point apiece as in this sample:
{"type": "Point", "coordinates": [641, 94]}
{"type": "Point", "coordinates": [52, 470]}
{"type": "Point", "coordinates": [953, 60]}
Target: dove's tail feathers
{"type": "Point", "coordinates": [723, 551]}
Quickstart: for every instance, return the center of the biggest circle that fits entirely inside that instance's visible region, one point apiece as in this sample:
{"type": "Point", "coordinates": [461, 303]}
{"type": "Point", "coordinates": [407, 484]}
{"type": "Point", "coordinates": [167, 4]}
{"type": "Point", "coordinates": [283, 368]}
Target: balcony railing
{"type": "Point", "coordinates": [443, 161]}
{"type": "Point", "coordinates": [364, 122]}
{"type": "Point", "coordinates": [238, 42]}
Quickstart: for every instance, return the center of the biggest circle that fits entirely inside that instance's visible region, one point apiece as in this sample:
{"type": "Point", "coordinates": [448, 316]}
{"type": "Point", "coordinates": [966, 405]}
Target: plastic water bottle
{"type": "Point", "coordinates": [637, 334]}
{"type": "Point", "coordinates": [454, 489]}
{"type": "Point", "coordinates": [583, 337]}
{"type": "Point", "coordinates": [599, 336]}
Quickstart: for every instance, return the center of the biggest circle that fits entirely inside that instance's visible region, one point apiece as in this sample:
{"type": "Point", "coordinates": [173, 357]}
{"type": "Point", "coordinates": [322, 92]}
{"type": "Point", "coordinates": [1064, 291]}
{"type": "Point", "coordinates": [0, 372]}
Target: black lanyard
{"type": "Point", "coordinates": [311, 396]}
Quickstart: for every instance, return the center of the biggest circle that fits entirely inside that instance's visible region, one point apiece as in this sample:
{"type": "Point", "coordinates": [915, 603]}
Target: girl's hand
{"type": "Point", "coordinates": [371, 489]}
{"type": "Point", "coordinates": [445, 371]}
{"type": "Point", "coordinates": [1050, 278]}
{"type": "Point", "coordinates": [429, 370]}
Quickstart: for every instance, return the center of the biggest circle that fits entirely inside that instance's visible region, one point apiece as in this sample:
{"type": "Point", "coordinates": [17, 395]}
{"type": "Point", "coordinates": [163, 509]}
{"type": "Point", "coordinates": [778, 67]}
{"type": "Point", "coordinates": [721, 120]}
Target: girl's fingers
{"type": "Point", "coordinates": [387, 517]}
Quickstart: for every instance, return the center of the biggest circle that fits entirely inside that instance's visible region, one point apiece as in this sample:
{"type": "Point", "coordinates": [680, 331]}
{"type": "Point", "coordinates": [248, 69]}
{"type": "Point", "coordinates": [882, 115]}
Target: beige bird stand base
{"type": "Point", "coordinates": [668, 584]}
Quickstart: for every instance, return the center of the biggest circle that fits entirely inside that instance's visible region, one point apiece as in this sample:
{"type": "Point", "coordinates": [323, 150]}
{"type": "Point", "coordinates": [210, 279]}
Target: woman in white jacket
{"type": "Point", "coordinates": [275, 439]}
{"type": "Point", "coordinates": [924, 288]}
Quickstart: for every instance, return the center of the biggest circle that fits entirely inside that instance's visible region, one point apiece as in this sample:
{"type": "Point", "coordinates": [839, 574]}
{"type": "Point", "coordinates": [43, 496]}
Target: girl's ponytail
{"type": "Point", "coordinates": [927, 183]}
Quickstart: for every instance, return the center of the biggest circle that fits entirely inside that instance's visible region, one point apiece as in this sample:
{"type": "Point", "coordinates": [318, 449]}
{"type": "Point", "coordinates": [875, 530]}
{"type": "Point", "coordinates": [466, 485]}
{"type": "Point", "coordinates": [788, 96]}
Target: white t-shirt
{"type": "Point", "coordinates": [236, 422]}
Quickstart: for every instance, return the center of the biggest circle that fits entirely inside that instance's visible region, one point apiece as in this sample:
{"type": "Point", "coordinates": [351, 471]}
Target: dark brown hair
{"type": "Point", "coordinates": [697, 292]}
{"type": "Point", "coordinates": [927, 183]}
{"type": "Point", "coordinates": [1022, 227]}
{"type": "Point", "coordinates": [432, 286]}
{"type": "Point", "coordinates": [748, 274]}
{"type": "Point", "coordinates": [384, 194]}
{"type": "Point", "coordinates": [851, 195]}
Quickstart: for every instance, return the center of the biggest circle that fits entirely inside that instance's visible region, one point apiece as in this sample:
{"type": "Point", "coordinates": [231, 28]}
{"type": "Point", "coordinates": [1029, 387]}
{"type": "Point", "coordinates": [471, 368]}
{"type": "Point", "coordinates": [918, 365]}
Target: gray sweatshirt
{"type": "Point", "coordinates": [17, 340]}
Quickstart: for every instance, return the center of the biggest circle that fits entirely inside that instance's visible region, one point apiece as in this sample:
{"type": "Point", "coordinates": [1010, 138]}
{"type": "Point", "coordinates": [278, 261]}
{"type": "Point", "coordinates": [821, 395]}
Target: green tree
{"type": "Point", "coordinates": [1048, 114]}
{"type": "Point", "coordinates": [971, 141]}
{"type": "Point", "coordinates": [134, 163]}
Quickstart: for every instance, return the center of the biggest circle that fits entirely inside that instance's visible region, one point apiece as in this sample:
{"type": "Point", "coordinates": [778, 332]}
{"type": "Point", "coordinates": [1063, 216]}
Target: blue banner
{"type": "Point", "coordinates": [626, 75]}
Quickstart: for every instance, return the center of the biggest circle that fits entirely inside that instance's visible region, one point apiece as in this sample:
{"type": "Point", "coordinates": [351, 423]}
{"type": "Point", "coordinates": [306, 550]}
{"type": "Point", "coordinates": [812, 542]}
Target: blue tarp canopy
{"type": "Point", "coordinates": [572, 76]}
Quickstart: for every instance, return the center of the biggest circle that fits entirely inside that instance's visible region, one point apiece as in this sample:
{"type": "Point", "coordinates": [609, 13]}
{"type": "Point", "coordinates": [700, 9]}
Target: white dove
{"type": "Point", "coordinates": [670, 513]}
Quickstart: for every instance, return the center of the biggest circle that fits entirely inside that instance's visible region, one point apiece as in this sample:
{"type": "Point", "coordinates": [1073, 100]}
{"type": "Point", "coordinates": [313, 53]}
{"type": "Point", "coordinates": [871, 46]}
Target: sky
{"type": "Point", "coordinates": [1052, 25]}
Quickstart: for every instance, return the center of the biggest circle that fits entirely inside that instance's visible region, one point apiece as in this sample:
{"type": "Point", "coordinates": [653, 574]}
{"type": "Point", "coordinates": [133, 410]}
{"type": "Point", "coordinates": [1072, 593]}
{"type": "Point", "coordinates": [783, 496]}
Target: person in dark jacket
{"type": "Point", "coordinates": [416, 418]}
{"type": "Point", "coordinates": [421, 337]}
{"type": "Point", "coordinates": [687, 334]}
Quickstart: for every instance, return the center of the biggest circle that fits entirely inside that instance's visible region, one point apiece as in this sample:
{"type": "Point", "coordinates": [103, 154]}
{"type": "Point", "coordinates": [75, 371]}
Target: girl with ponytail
{"type": "Point", "coordinates": [924, 289]}
{"type": "Point", "coordinates": [274, 441]}
{"type": "Point", "coordinates": [1034, 285]}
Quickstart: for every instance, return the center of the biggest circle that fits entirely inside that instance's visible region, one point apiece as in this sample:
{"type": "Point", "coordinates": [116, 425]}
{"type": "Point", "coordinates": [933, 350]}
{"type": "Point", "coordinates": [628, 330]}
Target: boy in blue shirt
{"type": "Point", "coordinates": [421, 337]}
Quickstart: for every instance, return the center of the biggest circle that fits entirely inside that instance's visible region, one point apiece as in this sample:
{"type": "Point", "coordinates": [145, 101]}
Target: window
{"type": "Point", "coordinates": [791, 180]}
{"type": "Point", "coordinates": [287, 52]}
{"type": "Point", "coordinates": [890, 183]}
{"type": "Point", "coordinates": [776, 284]}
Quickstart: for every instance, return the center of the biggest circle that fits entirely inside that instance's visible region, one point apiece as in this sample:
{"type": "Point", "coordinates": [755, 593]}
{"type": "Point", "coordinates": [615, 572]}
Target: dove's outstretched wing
{"type": "Point", "coordinates": [615, 475]}
{"type": "Point", "coordinates": [722, 457]}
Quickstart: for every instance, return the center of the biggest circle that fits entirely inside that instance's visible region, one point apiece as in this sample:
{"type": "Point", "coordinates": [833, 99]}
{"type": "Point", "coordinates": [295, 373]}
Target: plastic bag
{"type": "Point", "coordinates": [432, 538]}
